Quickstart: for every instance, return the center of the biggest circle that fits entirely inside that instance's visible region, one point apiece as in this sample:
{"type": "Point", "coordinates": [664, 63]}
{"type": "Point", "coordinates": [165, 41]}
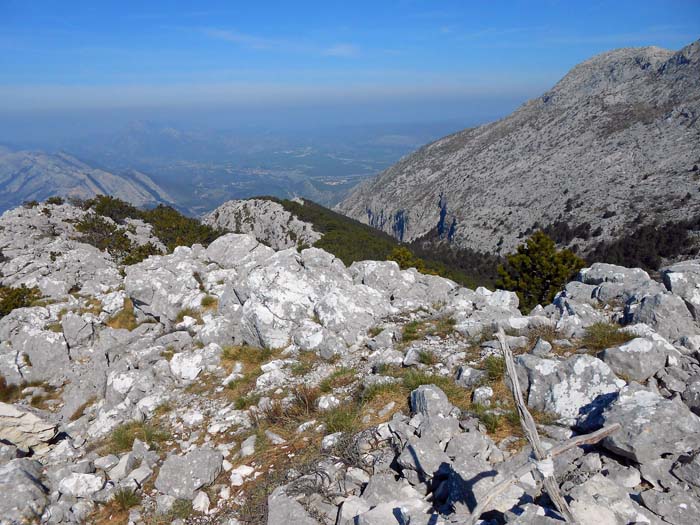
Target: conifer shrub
{"type": "Point", "coordinates": [537, 271]}
{"type": "Point", "coordinates": [169, 225]}
{"type": "Point", "coordinates": [104, 235]}
{"type": "Point", "coordinates": [20, 297]}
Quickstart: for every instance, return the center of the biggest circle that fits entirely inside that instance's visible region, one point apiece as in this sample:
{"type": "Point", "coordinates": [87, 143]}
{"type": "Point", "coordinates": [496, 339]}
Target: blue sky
{"type": "Point", "coordinates": [130, 54]}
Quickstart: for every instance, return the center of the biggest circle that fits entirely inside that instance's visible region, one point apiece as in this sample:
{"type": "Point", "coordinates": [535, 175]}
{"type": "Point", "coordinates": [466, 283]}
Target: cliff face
{"type": "Point", "coordinates": [615, 143]}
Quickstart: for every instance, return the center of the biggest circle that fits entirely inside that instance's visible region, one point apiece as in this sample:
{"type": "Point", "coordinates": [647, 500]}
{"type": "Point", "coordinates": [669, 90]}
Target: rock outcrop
{"type": "Point", "coordinates": [267, 220]}
{"type": "Point", "coordinates": [23, 429]}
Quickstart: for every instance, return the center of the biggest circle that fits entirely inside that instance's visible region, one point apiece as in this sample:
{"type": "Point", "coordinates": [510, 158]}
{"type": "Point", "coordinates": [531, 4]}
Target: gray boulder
{"type": "Point", "coordinates": [571, 388]}
{"type": "Point", "coordinates": [677, 508]}
{"type": "Point", "coordinates": [688, 470]}
{"type": "Point", "coordinates": [683, 280]}
{"type": "Point", "coordinates": [469, 444]}
{"type": "Point", "coordinates": [665, 313]}
{"type": "Point", "coordinates": [383, 487]}
{"type": "Point", "coordinates": [469, 377]}
{"type": "Point", "coordinates": [23, 495]}
{"type": "Point", "coordinates": [430, 401]}
{"type": "Point", "coordinates": [234, 250]}
{"type": "Point", "coordinates": [76, 329]}
{"type": "Point", "coordinates": [610, 273]}
{"type": "Point", "coordinates": [423, 456]}
{"type": "Point", "coordinates": [691, 394]}
{"type": "Point", "coordinates": [638, 359]}
{"type": "Point", "coordinates": [182, 476]}
{"type": "Point", "coordinates": [23, 429]}
{"type": "Point", "coordinates": [162, 286]}
{"type": "Point", "coordinates": [651, 425]}
{"type": "Point", "coordinates": [284, 510]}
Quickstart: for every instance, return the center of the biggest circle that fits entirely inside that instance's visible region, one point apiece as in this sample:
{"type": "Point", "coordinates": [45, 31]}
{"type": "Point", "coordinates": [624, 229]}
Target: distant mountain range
{"type": "Point", "coordinates": [613, 146]}
{"type": "Point", "coordinates": [36, 175]}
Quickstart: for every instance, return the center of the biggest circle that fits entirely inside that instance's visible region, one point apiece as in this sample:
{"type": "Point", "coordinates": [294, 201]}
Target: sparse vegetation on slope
{"type": "Point", "coordinates": [169, 225]}
{"type": "Point", "coordinates": [648, 245]}
{"type": "Point", "coordinates": [351, 241]}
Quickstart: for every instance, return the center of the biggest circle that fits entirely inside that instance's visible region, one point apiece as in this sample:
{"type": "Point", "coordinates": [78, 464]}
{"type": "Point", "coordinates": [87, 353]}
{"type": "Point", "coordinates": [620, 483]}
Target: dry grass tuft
{"type": "Point", "coordinates": [124, 319]}
{"type": "Point", "coordinates": [188, 312]}
{"type": "Point", "coordinates": [439, 327]}
{"type": "Point", "coordinates": [209, 303]}
{"type": "Point", "coordinates": [340, 378]}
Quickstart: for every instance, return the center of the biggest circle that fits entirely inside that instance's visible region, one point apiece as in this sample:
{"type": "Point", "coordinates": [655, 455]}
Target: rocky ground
{"type": "Point", "coordinates": [239, 384]}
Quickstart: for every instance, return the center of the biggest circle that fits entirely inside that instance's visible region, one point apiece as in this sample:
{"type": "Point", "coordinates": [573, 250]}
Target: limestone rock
{"type": "Point", "coordinates": [23, 429]}
{"type": "Point", "coordinates": [570, 388]}
{"type": "Point", "coordinates": [182, 476]}
{"type": "Point", "coordinates": [24, 497]}
{"type": "Point", "coordinates": [651, 425]}
{"type": "Point", "coordinates": [638, 359]}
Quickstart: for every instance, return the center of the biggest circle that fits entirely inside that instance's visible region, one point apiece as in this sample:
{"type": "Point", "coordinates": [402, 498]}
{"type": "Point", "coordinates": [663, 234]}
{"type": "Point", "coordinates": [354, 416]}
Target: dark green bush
{"type": "Point", "coordinates": [647, 246]}
{"type": "Point", "coordinates": [169, 225]}
{"type": "Point", "coordinates": [104, 235]}
{"type": "Point", "coordinates": [55, 200]}
{"type": "Point", "coordinates": [537, 271]}
{"type": "Point", "coordinates": [139, 253]}
{"type": "Point", "coordinates": [21, 297]}
{"type": "Point", "coordinates": [174, 229]}
{"type": "Point", "coordinates": [115, 209]}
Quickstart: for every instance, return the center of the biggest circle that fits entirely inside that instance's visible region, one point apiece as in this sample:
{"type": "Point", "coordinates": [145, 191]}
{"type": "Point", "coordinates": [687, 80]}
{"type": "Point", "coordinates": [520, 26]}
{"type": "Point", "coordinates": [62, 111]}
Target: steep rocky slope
{"type": "Point", "coordinates": [615, 144]}
{"type": "Point", "coordinates": [29, 175]}
{"type": "Point", "coordinates": [235, 384]}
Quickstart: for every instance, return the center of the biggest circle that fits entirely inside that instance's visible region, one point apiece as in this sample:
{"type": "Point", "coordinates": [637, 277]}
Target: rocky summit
{"type": "Point", "coordinates": [231, 382]}
{"type": "Point", "coordinates": [613, 146]}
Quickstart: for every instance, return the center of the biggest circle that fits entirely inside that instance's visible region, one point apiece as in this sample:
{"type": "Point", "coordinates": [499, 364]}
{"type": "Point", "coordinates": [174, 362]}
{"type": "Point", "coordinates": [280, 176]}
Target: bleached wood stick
{"type": "Point", "coordinates": [586, 439]}
{"type": "Point", "coordinates": [530, 429]}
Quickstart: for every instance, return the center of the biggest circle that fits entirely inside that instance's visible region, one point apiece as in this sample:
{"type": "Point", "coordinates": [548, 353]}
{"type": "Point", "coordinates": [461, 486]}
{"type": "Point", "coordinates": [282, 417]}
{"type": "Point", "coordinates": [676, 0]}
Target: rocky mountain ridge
{"type": "Point", "coordinates": [266, 220]}
{"type": "Point", "coordinates": [36, 176]}
{"type": "Point", "coordinates": [612, 146]}
{"type": "Point", "coordinates": [234, 384]}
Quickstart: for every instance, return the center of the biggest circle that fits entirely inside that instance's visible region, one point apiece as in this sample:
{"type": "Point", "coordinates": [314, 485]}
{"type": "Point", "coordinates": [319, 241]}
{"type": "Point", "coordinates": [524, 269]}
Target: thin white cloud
{"type": "Point", "coordinates": [248, 41]}
{"type": "Point", "coordinates": [342, 50]}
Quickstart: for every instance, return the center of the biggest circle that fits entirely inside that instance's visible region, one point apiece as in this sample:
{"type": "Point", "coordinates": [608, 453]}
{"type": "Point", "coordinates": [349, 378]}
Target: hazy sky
{"type": "Point", "coordinates": [404, 58]}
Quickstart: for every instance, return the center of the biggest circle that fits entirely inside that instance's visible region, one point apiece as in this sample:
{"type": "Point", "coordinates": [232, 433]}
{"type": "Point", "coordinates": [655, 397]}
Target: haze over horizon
{"type": "Point", "coordinates": [86, 67]}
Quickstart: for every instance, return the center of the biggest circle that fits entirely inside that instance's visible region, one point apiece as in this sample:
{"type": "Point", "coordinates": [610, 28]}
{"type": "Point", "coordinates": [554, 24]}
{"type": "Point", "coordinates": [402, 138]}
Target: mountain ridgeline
{"type": "Point", "coordinates": [36, 176]}
{"type": "Point", "coordinates": [606, 163]}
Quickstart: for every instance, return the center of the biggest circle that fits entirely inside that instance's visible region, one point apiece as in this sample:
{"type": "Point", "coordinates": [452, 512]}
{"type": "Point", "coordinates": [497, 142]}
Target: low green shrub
{"type": "Point", "coordinates": [19, 297]}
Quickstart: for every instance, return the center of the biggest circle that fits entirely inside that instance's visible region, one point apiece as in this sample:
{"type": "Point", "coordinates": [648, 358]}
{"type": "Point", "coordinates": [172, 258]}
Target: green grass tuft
{"type": "Point", "coordinates": [600, 336]}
